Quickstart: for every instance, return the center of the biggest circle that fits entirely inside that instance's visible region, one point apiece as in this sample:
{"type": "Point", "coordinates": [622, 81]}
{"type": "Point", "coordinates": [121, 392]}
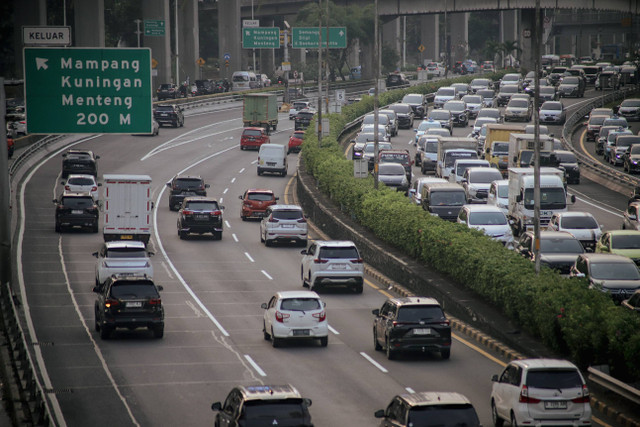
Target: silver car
{"type": "Point", "coordinates": [553, 112]}
{"type": "Point", "coordinates": [284, 223]}
{"type": "Point", "coordinates": [393, 175]}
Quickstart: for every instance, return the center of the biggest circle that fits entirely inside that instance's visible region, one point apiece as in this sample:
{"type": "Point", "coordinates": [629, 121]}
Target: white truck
{"type": "Point", "coordinates": [127, 207]}
{"type": "Point", "coordinates": [522, 147]}
{"type": "Point", "coordinates": [451, 149]}
{"type": "Point", "coordinates": [553, 196]}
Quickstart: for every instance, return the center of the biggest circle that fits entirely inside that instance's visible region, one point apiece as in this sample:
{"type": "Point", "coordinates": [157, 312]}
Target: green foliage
{"type": "Point", "coordinates": [582, 324]}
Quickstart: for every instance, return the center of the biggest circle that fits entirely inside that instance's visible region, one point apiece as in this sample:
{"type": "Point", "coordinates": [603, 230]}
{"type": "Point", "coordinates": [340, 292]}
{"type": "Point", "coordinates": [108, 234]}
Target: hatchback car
{"type": "Point", "coordinates": [631, 159]}
{"type": "Point", "coordinates": [548, 93]}
{"type": "Point", "coordinates": [581, 225]}
{"type": "Point", "coordinates": [182, 186]}
{"type": "Point", "coordinates": [476, 182]}
{"type": "Point", "coordinates": [593, 126]}
{"type": "Point", "coordinates": [493, 113]}
{"type": "Point", "coordinates": [630, 109]}
{"type": "Point", "coordinates": [444, 94]}
{"type": "Point", "coordinates": [255, 202]}
{"type": "Point", "coordinates": [82, 183]}
{"type": "Point", "coordinates": [396, 79]}
{"type": "Point", "coordinates": [614, 274]}
{"type": "Point", "coordinates": [620, 242]}
{"type": "Point", "coordinates": [417, 102]}
{"type": "Point", "coordinates": [125, 257]}
{"type": "Point", "coordinates": [295, 315]}
{"type": "Point", "coordinates": [518, 109]}
{"type": "Point", "coordinates": [295, 142]}
{"type": "Point", "coordinates": [416, 324]}
{"type": "Point", "coordinates": [558, 249]}
{"type": "Point", "coordinates": [488, 219]}
{"type": "Point", "coordinates": [76, 210]}
{"type": "Point", "coordinates": [253, 138]}
{"type": "Point", "coordinates": [445, 409]}
{"type": "Point", "coordinates": [571, 86]}
{"type": "Point", "coordinates": [540, 392]}
{"type": "Point", "coordinates": [404, 114]}
{"type": "Point", "coordinates": [504, 95]}
{"type": "Point", "coordinates": [474, 104]}
{"type": "Point", "coordinates": [553, 112]}
{"type": "Point", "coordinates": [284, 223]}
{"type": "Point", "coordinates": [167, 91]}
{"type": "Point", "coordinates": [332, 263]}
{"type": "Point", "coordinates": [79, 162]}
{"type": "Point", "coordinates": [499, 195]}
{"type": "Point", "coordinates": [199, 215]}
{"type": "Point", "coordinates": [512, 79]}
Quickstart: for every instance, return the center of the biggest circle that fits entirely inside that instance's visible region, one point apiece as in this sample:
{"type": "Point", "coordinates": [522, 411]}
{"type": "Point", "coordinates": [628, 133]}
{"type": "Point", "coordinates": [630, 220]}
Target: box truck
{"type": "Point", "coordinates": [127, 207]}
{"type": "Point", "coordinates": [451, 149]}
{"type": "Point", "coordinates": [260, 110]}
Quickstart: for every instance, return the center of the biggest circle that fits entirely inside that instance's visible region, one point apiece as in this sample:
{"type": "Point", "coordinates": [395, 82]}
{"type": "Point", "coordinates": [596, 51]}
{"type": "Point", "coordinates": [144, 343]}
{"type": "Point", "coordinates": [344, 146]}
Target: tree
{"type": "Point", "coordinates": [511, 46]}
{"type": "Point", "coordinates": [492, 48]}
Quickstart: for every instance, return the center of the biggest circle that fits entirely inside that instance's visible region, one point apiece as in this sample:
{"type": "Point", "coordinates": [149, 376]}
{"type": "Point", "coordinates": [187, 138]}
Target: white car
{"type": "Point", "coordinates": [295, 315]}
{"type": "Point", "coordinates": [474, 104]}
{"type": "Point", "coordinates": [582, 225]}
{"type": "Point", "coordinates": [539, 392]}
{"type": "Point", "coordinates": [460, 166]}
{"type": "Point", "coordinates": [435, 69]}
{"type": "Point", "coordinates": [82, 183]}
{"type": "Point", "coordinates": [128, 257]}
{"type": "Point", "coordinates": [552, 112]}
{"type": "Point", "coordinates": [444, 94]}
{"type": "Point", "coordinates": [476, 182]}
{"type": "Point", "coordinates": [499, 195]}
{"type": "Point", "coordinates": [297, 106]}
{"type": "Point", "coordinates": [284, 223]}
{"type": "Point", "coordinates": [332, 263]}
{"type": "Point", "coordinates": [488, 219]}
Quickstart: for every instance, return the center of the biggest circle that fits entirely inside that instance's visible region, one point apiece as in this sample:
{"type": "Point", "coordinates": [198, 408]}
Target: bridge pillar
{"type": "Point", "coordinates": [230, 37]}
{"type": "Point", "coordinates": [267, 56]}
{"type": "Point", "coordinates": [354, 55]}
{"type": "Point", "coordinates": [89, 23]}
{"type": "Point", "coordinates": [430, 37]}
{"type": "Point", "coordinates": [458, 28]}
{"type": "Point", "coordinates": [188, 40]}
{"type": "Point", "coordinates": [366, 55]}
{"type": "Point", "coordinates": [28, 13]}
{"type": "Point", "coordinates": [160, 46]}
{"type": "Point", "coordinates": [392, 36]}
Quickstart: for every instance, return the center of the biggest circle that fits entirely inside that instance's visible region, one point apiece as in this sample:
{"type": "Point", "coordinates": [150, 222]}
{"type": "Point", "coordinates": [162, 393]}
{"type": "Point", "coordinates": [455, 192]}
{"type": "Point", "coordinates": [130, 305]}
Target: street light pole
{"type": "Point", "coordinates": [376, 72]}
{"type": "Point", "coordinates": [254, 50]}
{"type": "Point", "coordinates": [320, 71]}
{"type": "Point", "coordinates": [138, 32]}
{"type": "Point", "coordinates": [177, 48]}
{"type": "Point", "coordinates": [536, 133]}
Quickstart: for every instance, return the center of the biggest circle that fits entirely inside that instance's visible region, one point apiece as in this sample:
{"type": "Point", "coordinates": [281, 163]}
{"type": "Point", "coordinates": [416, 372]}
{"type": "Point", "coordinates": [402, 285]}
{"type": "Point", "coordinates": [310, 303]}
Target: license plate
{"type": "Point", "coordinates": [189, 193]}
{"type": "Point", "coordinates": [77, 212]}
{"type": "Point", "coordinates": [164, 114]}
{"type": "Point", "coordinates": [287, 226]}
{"type": "Point", "coordinates": [134, 304]}
{"type": "Point", "coordinates": [555, 404]}
{"type": "Point", "coordinates": [271, 164]}
{"type": "Point", "coordinates": [422, 331]}
{"type": "Point", "coordinates": [300, 332]}
{"type": "Point", "coordinates": [126, 237]}
{"type": "Point", "coordinates": [338, 266]}
{"type": "Point", "coordinates": [201, 217]}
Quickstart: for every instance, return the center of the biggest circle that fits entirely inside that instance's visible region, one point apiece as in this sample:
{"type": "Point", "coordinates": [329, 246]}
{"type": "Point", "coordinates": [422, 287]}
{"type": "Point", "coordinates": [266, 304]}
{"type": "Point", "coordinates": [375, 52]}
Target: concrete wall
{"type": "Point", "coordinates": [230, 37]}
{"type": "Point", "coordinates": [459, 32]}
{"type": "Point", "coordinates": [89, 23]}
{"type": "Point", "coordinates": [430, 37]}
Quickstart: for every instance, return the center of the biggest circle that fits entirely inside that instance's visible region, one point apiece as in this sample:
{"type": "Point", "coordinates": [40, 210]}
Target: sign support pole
{"type": "Point", "coordinates": [5, 191]}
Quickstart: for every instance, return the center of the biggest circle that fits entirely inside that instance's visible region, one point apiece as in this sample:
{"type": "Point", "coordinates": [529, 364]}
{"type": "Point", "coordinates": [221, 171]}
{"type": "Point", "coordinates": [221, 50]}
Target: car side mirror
{"type": "Point", "coordinates": [263, 305]}
{"type": "Point", "coordinates": [303, 252]}
{"type": "Point", "coordinates": [160, 287]}
{"type": "Point", "coordinates": [206, 186]}
{"type": "Point", "coordinates": [494, 378]}
{"type": "Point", "coordinates": [217, 406]}
{"type": "Point", "coordinates": [307, 401]}
{"type": "Point", "coordinates": [168, 184]}
{"type": "Point", "coordinates": [97, 289]}
{"type": "Point", "coordinates": [379, 413]}
{"type": "Point", "coordinates": [95, 254]}
{"type": "Point", "coordinates": [376, 312]}
{"type": "Point", "coordinates": [240, 197]}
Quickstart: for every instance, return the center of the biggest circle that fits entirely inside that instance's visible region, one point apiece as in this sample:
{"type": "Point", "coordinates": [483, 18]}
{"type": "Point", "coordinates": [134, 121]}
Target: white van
{"type": "Point", "coordinates": [244, 80]}
{"type": "Point", "coordinates": [272, 158]}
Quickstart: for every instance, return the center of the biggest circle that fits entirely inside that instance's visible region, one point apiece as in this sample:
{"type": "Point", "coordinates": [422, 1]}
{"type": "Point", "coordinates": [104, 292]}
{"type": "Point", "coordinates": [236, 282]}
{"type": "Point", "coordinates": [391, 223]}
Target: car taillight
{"type": "Point", "coordinates": [524, 396]}
{"type": "Point", "coordinates": [320, 261]}
{"type": "Point", "coordinates": [94, 188]}
{"type": "Point", "coordinates": [281, 317]}
{"type": "Point", "coordinates": [444, 322]}
{"type": "Point", "coordinates": [66, 187]}
{"type": "Point", "coordinates": [272, 219]}
{"type": "Point", "coordinates": [397, 323]}
{"type": "Point", "coordinates": [302, 220]}
{"type": "Point", "coordinates": [356, 261]}
{"type": "Point", "coordinates": [187, 212]}
{"type": "Point", "coordinates": [155, 301]}
{"type": "Point", "coordinates": [247, 204]}
{"type": "Point", "coordinates": [585, 396]}
{"type": "Point", "coordinates": [216, 213]}
{"type": "Point", "coordinates": [111, 303]}
{"type": "Point", "coordinates": [322, 316]}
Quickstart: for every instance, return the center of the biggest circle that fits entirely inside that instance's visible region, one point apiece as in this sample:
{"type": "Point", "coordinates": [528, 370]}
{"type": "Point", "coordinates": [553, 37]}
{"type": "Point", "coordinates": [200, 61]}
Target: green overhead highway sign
{"type": "Point", "coordinates": [153, 27]}
{"type": "Point", "coordinates": [88, 90]}
{"type": "Point", "coordinates": [260, 37]}
{"type": "Point", "coordinates": [308, 38]}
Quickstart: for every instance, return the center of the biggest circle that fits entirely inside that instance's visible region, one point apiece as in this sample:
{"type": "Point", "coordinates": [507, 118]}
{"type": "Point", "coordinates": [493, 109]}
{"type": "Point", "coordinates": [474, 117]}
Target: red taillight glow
{"type": "Point", "coordinates": [524, 396]}
{"type": "Point", "coordinates": [281, 317]}
{"type": "Point", "coordinates": [94, 188]}
{"type": "Point", "coordinates": [302, 220]}
{"type": "Point", "coordinates": [66, 187]}
{"type": "Point", "coordinates": [272, 219]}
{"type": "Point", "coordinates": [187, 212]}
{"type": "Point", "coordinates": [111, 303]}
{"type": "Point", "coordinates": [585, 396]}
{"type": "Point", "coordinates": [155, 301]}
{"type": "Point", "coordinates": [356, 261]}
{"type": "Point", "coordinates": [322, 316]}
{"type": "Point", "coordinates": [216, 213]}
{"type": "Point", "coordinates": [320, 261]}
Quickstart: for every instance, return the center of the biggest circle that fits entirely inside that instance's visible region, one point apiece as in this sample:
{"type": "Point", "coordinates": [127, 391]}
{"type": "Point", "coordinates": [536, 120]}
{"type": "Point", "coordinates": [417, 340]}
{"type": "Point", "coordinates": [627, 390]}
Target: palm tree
{"type": "Point", "coordinates": [492, 48]}
{"type": "Point", "coordinates": [511, 46]}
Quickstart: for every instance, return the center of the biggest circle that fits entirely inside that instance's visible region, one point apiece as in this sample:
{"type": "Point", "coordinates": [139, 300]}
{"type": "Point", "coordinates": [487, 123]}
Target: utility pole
{"type": "Point", "coordinates": [138, 32]}
{"type": "Point", "coordinates": [254, 50]}
{"type": "Point", "coordinates": [320, 71]}
{"type": "Point", "coordinates": [376, 72]}
{"type": "Point", "coordinates": [327, 59]}
{"type": "Point", "coordinates": [177, 48]}
{"type": "Point", "coordinates": [536, 133]}
{"type": "Point", "coordinates": [5, 191]}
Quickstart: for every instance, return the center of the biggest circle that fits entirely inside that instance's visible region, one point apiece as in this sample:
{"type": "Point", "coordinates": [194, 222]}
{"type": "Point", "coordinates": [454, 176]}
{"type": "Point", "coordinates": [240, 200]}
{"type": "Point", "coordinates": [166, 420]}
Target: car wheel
{"type": "Point", "coordinates": [242, 217]}
{"type": "Point", "coordinates": [96, 324]}
{"type": "Point", "coordinates": [357, 289]}
{"type": "Point", "coordinates": [105, 332]}
{"type": "Point", "coordinates": [514, 422]}
{"type": "Point", "coordinates": [497, 421]}
{"type": "Point", "coordinates": [175, 124]}
{"type": "Point", "coordinates": [445, 354]}
{"type": "Point", "coordinates": [376, 344]}
{"type": "Point", "coordinates": [324, 341]}
{"type": "Point", "coordinates": [275, 342]}
{"type": "Point", "coordinates": [259, 172]}
{"type": "Point", "coordinates": [182, 235]}
{"type": "Point", "coordinates": [217, 235]}
{"type": "Point", "coordinates": [261, 238]}
{"type": "Point", "coordinates": [268, 242]}
{"type": "Point", "coordinates": [390, 353]}
{"type": "Point", "coordinates": [94, 229]}
{"type": "Point", "coordinates": [266, 334]}
{"type": "Point", "coordinates": [58, 228]}
{"type": "Point", "coordinates": [158, 331]}
{"type": "Point", "coordinates": [182, 123]}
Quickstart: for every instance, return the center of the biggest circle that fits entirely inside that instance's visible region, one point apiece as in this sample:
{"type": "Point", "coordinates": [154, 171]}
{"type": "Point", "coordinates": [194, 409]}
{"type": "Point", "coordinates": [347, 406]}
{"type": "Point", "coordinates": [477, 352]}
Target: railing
{"type": "Point", "coordinates": [614, 385]}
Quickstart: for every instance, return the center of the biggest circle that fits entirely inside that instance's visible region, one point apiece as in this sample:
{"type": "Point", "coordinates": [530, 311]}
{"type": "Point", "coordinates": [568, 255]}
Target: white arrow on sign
{"type": "Point", "coordinates": [41, 63]}
{"type": "Point", "coordinates": [341, 33]}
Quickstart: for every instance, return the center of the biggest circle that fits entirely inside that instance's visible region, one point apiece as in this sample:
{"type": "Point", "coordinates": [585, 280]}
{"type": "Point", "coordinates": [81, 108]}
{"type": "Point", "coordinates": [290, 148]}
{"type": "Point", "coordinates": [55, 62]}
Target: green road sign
{"type": "Point", "coordinates": [88, 90]}
{"type": "Point", "coordinates": [307, 38]}
{"type": "Point", "coordinates": [153, 27]}
{"type": "Point", "coordinates": [260, 37]}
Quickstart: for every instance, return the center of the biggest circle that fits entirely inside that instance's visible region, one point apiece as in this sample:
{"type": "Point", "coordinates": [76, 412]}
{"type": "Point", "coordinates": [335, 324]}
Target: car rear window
{"type": "Point", "coordinates": [77, 202]}
{"type": "Point", "coordinates": [266, 412]}
{"type": "Point", "coordinates": [142, 289]}
{"type": "Point", "coordinates": [554, 378]}
{"type": "Point", "coordinates": [416, 313]}
{"type": "Point", "coordinates": [402, 158]}
{"type": "Point", "coordinates": [165, 86]}
{"type": "Point", "coordinates": [126, 253]}
{"type": "Point", "coordinates": [79, 157]}
{"type": "Point", "coordinates": [80, 181]}
{"type": "Point", "coordinates": [625, 242]}
{"type": "Point", "coordinates": [300, 304]}
{"type": "Point", "coordinates": [339, 252]}
{"type": "Point", "coordinates": [287, 214]}
{"type": "Point", "coordinates": [187, 183]}
{"type": "Point", "coordinates": [260, 197]}
{"type": "Point", "coordinates": [487, 218]}
{"type": "Point", "coordinates": [578, 222]}
{"type": "Point", "coordinates": [167, 108]}
{"type": "Point", "coordinates": [202, 206]}
{"type": "Point", "coordinates": [444, 416]}
{"type": "Point", "coordinates": [251, 132]}
{"type": "Point", "coordinates": [560, 246]}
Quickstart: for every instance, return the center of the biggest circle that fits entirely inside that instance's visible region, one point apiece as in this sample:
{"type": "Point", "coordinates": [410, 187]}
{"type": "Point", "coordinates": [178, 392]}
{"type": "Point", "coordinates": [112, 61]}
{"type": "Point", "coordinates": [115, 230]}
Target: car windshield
{"type": "Point", "coordinates": [287, 214]}
{"type": "Point", "coordinates": [448, 198]}
{"type": "Point", "coordinates": [472, 99]}
{"type": "Point", "coordinates": [627, 141]}
{"type": "Point", "coordinates": [300, 304]}
{"type": "Point", "coordinates": [390, 169]}
{"type": "Point", "coordinates": [461, 167]}
{"type": "Point", "coordinates": [500, 148]}
{"type": "Point", "coordinates": [266, 412]}
{"type": "Point", "coordinates": [126, 253]}
{"type": "Point", "coordinates": [450, 157]}
{"type": "Point", "coordinates": [260, 197]}
{"type": "Point", "coordinates": [369, 148]}
{"type": "Point", "coordinates": [416, 313]}
{"type": "Point", "coordinates": [510, 78]}
{"type": "Point", "coordinates": [431, 146]}
{"type": "Point", "coordinates": [578, 222]}
{"type": "Point", "coordinates": [487, 218]}
{"type": "Point", "coordinates": [252, 132]}
{"type": "Point", "coordinates": [80, 181]}
{"type": "Point", "coordinates": [486, 94]}
{"type": "Point", "coordinates": [484, 177]}
{"type": "Point", "coordinates": [597, 120]}
{"type": "Point", "coordinates": [142, 289]}
{"type": "Point", "coordinates": [550, 198]}
{"type": "Point", "coordinates": [509, 89]}
{"type": "Point", "coordinates": [188, 184]}
{"type": "Point", "coordinates": [400, 108]}
{"type": "Point", "coordinates": [492, 113]}
{"type": "Point", "coordinates": [412, 99]}
{"type": "Point", "coordinates": [628, 241]}
{"type": "Point", "coordinates": [165, 86]}
{"type": "Point", "coordinates": [571, 80]}
{"type": "Point", "coordinates": [424, 125]}
{"type": "Point", "coordinates": [339, 252]}
{"type": "Point", "coordinates": [518, 103]}
{"type": "Point", "coordinates": [560, 246]}
{"type": "Point", "coordinates": [614, 271]}
{"type": "Point", "coordinates": [635, 149]}
{"type": "Point", "coordinates": [566, 157]}
{"type": "Point", "coordinates": [552, 106]}
{"type": "Point", "coordinates": [369, 119]}
{"type": "Point", "coordinates": [555, 379]}
{"type": "Point", "coordinates": [453, 415]}
{"type": "Point", "coordinates": [77, 202]}
{"type": "Point", "coordinates": [164, 108]}
{"type": "Point", "coordinates": [547, 90]}
{"type": "Point", "coordinates": [440, 115]}
{"type": "Point", "coordinates": [630, 103]}
{"type": "Point", "coordinates": [503, 191]}
{"type": "Point", "coordinates": [455, 106]}
{"type": "Point", "coordinates": [616, 122]}
{"type": "Point", "coordinates": [480, 82]}
{"type": "Point", "coordinates": [446, 92]}
{"type": "Point", "coordinates": [201, 206]}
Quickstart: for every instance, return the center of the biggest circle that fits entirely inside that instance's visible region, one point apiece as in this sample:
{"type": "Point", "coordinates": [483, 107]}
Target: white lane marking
{"type": "Point", "coordinates": [254, 162]}
{"type": "Point", "coordinates": [333, 330]}
{"type": "Point", "coordinates": [27, 309]}
{"type": "Point", "coordinates": [225, 191]}
{"type": "Point", "coordinates": [255, 365]}
{"type": "Point", "coordinates": [167, 269]}
{"type": "Point", "coordinates": [583, 199]}
{"type": "Point", "coordinates": [233, 180]}
{"type": "Point", "coordinates": [241, 170]}
{"type": "Point", "coordinates": [227, 223]}
{"type": "Point", "coordinates": [221, 199]}
{"type": "Point", "coordinates": [249, 256]}
{"type": "Point", "coordinates": [373, 362]}
{"type": "Point", "coordinates": [410, 390]}
{"type": "Point", "coordinates": [195, 309]}
{"type": "Point", "coordinates": [267, 275]}
{"type": "Point", "coordinates": [235, 237]}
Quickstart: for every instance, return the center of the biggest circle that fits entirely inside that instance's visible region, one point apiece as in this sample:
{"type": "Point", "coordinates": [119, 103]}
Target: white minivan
{"type": "Point", "coordinates": [272, 158]}
{"type": "Point", "coordinates": [244, 80]}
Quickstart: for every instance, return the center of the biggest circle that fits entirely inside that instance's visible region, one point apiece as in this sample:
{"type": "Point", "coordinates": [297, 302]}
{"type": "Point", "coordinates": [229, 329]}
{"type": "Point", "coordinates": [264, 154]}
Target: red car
{"type": "Point", "coordinates": [10, 145]}
{"type": "Point", "coordinates": [254, 137]}
{"type": "Point", "coordinates": [295, 142]}
{"type": "Point", "coordinates": [255, 202]}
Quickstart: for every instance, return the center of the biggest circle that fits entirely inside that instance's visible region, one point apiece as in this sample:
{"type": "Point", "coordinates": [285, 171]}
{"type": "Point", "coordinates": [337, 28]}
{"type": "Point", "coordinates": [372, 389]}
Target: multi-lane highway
{"type": "Point", "coordinates": [212, 295]}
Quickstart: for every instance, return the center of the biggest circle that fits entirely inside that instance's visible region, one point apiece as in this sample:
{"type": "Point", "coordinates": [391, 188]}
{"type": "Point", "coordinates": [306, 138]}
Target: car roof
{"type": "Point", "coordinates": [297, 294]}
{"type": "Point", "coordinates": [80, 175]}
{"type": "Point", "coordinates": [544, 363]}
{"type": "Point", "coordinates": [482, 208]}
{"type": "Point", "coordinates": [285, 207]}
{"type": "Point", "coordinates": [549, 234]}
{"type": "Point", "coordinates": [189, 176]}
{"type": "Point", "coordinates": [200, 199]}
{"type": "Point", "coordinates": [115, 244]}
{"type": "Point", "coordinates": [414, 301]}
{"type": "Point", "coordinates": [339, 243]}
{"type": "Point", "coordinates": [624, 232]}
{"type": "Point", "coordinates": [76, 194]}
{"type": "Point", "coordinates": [610, 258]}
{"type": "Point", "coordinates": [269, 392]}
{"type": "Point", "coordinates": [429, 398]}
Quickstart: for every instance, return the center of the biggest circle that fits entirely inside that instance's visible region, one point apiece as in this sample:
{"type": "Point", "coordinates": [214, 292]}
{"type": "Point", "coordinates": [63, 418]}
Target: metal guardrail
{"type": "Point", "coordinates": [618, 387]}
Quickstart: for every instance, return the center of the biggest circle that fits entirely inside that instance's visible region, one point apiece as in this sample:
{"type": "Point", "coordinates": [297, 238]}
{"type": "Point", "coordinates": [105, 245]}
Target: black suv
{"type": "Point", "coordinates": [167, 91]}
{"type": "Point", "coordinates": [169, 115]}
{"type": "Point", "coordinates": [205, 87]}
{"type": "Point", "coordinates": [558, 249]}
{"type": "Point", "coordinates": [397, 79]}
{"type": "Point", "coordinates": [182, 186]}
{"type": "Point", "coordinates": [131, 302]}
{"type": "Point", "coordinates": [418, 104]}
{"type": "Point", "coordinates": [429, 409]}
{"type": "Point", "coordinates": [260, 405]}
{"type": "Point", "coordinates": [303, 119]}
{"type": "Point", "coordinates": [411, 324]}
{"type": "Point", "coordinates": [200, 215]}
{"type": "Point", "coordinates": [76, 210]}
{"type": "Point", "coordinates": [79, 162]}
